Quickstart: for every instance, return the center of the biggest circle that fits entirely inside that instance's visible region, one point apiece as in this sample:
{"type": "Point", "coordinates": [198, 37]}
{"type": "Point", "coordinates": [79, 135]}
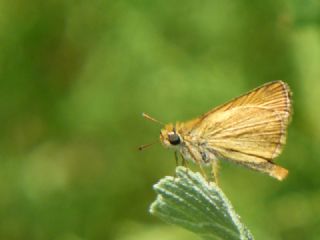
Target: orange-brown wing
{"type": "Point", "coordinates": [250, 128]}
{"type": "Point", "coordinates": [246, 134]}
{"type": "Point", "coordinates": [274, 95]}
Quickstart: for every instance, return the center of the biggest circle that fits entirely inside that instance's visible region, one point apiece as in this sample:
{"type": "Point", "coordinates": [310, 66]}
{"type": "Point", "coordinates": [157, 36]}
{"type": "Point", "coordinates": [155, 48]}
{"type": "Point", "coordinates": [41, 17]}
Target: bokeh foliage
{"type": "Point", "coordinates": [76, 75]}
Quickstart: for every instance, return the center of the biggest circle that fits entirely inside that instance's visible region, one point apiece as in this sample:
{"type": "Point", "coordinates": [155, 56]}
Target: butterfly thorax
{"type": "Point", "coordinates": [183, 138]}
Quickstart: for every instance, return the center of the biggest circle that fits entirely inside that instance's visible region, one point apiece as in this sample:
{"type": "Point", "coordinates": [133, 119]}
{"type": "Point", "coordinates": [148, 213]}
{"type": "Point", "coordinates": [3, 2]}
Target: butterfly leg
{"type": "Point", "coordinates": [214, 170]}
{"type": "Point", "coordinates": [176, 158]}
{"type": "Point", "coordinates": [198, 161]}
{"type": "Point", "coordinates": [184, 163]}
{"type": "Point", "coordinates": [177, 163]}
{"type": "Point", "coordinates": [203, 172]}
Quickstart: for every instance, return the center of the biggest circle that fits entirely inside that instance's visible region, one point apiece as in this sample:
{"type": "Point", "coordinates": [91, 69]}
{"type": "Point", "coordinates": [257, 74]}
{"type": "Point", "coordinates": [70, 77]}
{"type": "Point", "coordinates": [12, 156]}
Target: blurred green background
{"type": "Point", "coordinates": [75, 77]}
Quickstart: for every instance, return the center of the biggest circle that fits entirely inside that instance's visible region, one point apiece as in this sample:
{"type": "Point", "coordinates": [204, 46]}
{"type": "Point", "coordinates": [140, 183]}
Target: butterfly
{"type": "Point", "coordinates": [249, 130]}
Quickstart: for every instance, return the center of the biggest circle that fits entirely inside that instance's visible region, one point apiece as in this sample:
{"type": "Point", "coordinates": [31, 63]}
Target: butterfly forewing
{"type": "Point", "coordinates": [274, 95]}
{"type": "Point", "coordinates": [250, 128]}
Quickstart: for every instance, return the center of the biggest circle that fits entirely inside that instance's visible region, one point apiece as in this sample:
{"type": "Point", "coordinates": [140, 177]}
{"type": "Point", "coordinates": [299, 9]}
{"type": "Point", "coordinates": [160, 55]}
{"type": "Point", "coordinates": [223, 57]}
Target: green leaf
{"type": "Point", "coordinates": [189, 201]}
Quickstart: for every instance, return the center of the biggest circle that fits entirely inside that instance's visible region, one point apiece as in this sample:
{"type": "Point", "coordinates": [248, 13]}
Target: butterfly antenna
{"type": "Point", "coordinates": [142, 147]}
{"type": "Point", "coordinates": [146, 116]}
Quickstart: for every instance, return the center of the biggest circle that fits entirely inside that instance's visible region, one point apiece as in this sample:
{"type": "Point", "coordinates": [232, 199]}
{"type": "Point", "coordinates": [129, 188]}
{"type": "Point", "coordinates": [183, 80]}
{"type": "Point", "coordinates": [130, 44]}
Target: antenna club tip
{"type": "Point", "coordinates": [146, 116]}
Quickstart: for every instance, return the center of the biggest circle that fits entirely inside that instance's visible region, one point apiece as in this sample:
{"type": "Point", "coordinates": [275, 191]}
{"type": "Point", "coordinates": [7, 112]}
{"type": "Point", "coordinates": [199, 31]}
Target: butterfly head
{"type": "Point", "coordinates": [169, 136]}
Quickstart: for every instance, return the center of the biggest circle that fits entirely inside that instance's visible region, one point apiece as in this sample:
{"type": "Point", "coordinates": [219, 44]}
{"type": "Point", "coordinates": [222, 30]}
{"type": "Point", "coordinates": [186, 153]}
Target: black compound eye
{"type": "Point", "coordinates": [174, 138]}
